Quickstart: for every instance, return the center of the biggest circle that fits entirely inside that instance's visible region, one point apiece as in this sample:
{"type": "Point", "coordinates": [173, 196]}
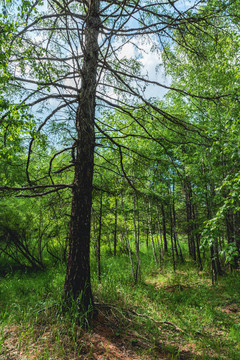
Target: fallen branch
{"type": "Point", "coordinates": [142, 315]}
{"type": "Point", "coordinates": [157, 321]}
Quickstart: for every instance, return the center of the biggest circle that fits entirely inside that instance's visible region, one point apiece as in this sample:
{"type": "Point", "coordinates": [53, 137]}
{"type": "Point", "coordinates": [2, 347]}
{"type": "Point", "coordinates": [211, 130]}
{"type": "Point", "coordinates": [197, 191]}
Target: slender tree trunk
{"type": "Point", "coordinates": [151, 233]}
{"type": "Point", "coordinates": [213, 263]}
{"type": "Point", "coordinates": [217, 257]}
{"type": "Point", "coordinates": [173, 231]}
{"type": "Point", "coordinates": [164, 229]}
{"type": "Point", "coordinates": [174, 219]}
{"type": "Point", "coordinates": [199, 260]}
{"type": "Point", "coordinates": [147, 235]}
{"type": "Point", "coordinates": [115, 228]}
{"type": "Point", "coordinates": [173, 224]}
{"type": "Point", "coordinates": [176, 241]}
{"type": "Point", "coordinates": [123, 243]}
{"type": "Point", "coordinates": [77, 281]}
{"type": "Point", "coordinates": [138, 226]}
{"type": "Point", "coordinates": [218, 266]}
{"type": "Point", "coordinates": [138, 269]}
{"type": "Point", "coordinates": [161, 237]}
{"type": "Point", "coordinates": [161, 242]}
{"type": "Point", "coordinates": [237, 237]}
{"type": "Point", "coordinates": [40, 233]}
{"type": "Point", "coordinates": [99, 239]}
{"type": "Point", "coordinates": [128, 243]}
{"type": "Point", "coordinates": [208, 211]}
{"type": "Point", "coordinates": [188, 197]}
{"type": "Point", "coordinates": [172, 241]}
{"type": "Point", "coordinates": [231, 238]}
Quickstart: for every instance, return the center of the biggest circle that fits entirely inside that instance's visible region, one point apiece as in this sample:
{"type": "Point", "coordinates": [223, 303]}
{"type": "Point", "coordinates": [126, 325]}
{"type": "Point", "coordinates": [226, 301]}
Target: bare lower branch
{"type": "Point", "coordinates": [34, 187]}
{"type": "Point", "coordinates": [40, 194]}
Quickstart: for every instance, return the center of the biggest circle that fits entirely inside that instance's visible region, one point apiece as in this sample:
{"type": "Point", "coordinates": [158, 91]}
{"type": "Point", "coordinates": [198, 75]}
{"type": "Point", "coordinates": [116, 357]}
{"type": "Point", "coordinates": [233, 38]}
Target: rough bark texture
{"type": "Point", "coordinates": [77, 282]}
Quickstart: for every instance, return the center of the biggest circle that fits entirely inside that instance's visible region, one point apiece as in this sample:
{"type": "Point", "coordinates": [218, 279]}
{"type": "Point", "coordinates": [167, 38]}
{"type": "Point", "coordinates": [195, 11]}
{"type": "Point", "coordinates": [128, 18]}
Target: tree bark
{"type": "Point", "coordinates": [77, 281]}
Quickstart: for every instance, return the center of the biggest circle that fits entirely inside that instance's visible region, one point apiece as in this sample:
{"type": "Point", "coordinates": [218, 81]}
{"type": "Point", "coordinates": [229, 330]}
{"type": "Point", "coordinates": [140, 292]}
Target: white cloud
{"type": "Point", "coordinates": [127, 51]}
{"type": "Point", "coordinates": [152, 67]}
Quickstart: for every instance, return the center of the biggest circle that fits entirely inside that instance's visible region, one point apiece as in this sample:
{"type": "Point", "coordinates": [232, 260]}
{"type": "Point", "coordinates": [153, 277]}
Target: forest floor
{"type": "Point", "coordinates": [104, 342]}
{"type": "Point", "coordinates": [168, 315]}
{"type": "Point", "coordinates": [108, 340]}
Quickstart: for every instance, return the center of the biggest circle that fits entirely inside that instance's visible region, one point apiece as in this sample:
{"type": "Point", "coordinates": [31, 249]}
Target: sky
{"type": "Point", "coordinates": [152, 66]}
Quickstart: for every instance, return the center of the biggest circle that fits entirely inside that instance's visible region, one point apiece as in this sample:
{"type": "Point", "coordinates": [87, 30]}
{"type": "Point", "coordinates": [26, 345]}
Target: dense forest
{"type": "Point", "coordinates": [119, 179]}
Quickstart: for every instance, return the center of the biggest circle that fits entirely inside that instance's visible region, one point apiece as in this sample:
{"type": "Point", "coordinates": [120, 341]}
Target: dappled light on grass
{"type": "Point", "coordinates": [166, 315]}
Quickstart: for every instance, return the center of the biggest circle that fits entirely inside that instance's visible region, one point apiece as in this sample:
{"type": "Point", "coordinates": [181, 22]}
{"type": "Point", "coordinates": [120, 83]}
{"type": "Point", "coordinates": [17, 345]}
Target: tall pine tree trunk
{"type": "Point", "coordinates": [77, 281]}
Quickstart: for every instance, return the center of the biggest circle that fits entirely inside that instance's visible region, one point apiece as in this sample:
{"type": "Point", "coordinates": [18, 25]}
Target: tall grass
{"type": "Point", "coordinates": [205, 319]}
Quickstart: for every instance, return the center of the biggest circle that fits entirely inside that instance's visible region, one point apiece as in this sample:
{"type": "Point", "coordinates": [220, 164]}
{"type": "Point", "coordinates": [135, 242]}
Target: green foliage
{"type": "Point", "coordinates": [230, 188]}
{"type": "Point", "coordinates": [32, 233]}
